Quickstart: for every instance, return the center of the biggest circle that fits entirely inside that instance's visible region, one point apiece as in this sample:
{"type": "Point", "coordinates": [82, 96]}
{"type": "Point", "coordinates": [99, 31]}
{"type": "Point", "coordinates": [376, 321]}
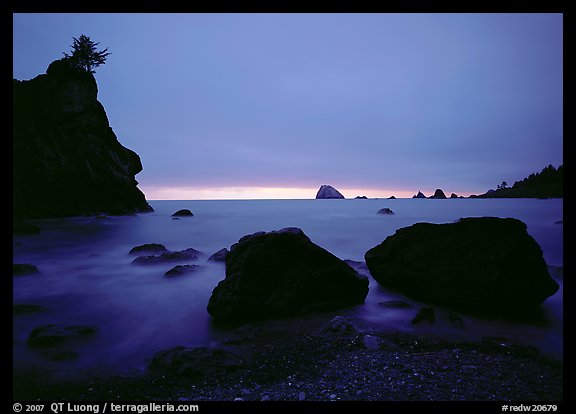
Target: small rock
{"type": "Point", "coordinates": [23, 269]}
{"type": "Point", "coordinates": [25, 229]}
{"type": "Point", "coordinates": [340, 325]}
{"type": "Point", "coordinates": [51, 335]}
{"type": "Point", "coordinates": [425, 313]}
{"type": "Point", "coordinates": [183, 255]}
{"type": "Point", "coordinates": [59, 355]}
{"type": "Point", "coordinates": [266, 397]}
{"type": "Point", "coordinates": [219, 256]}
{"type": "Point", "coordinates": [181, 270]}
{"type": "Point", "coordinates": [148, 248]}
{"type": "Point", "coordinates": [238, 399]}
{"type": "Point", "coordinates": [395, 304]}
{"type": "Point", "coordinates": [183, 213]}
{"type": "Point", "coordinates": [371, 342]}
{"type": "Point", "coordinates": [301, 396]}
{"type": "Point", "coordinates": [20, 309]}
{"type": "Point", "coordinates": [385, 210]}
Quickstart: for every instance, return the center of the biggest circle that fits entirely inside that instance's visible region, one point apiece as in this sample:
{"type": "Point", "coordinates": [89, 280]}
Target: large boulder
{"type": "Point", "coordinates": [67, 160]}
{"type": "Point", "coordinates": [283, 273]}
{"type": "Point", "coordinates": [327, 191]}
{"type": "Point", "coordinates": [483, 265]}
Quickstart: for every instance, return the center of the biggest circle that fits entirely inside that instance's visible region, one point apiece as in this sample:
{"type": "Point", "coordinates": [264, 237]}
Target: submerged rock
{"type": "Point", "coordinates": [283, 273]}
{"type": "Point", "coordinates": [181, 256]}
{"type": "Point", "coordinates": [485, 265]}
{"type": "Point", "coordinates": [20, 269]}
{"type": "Point", "coordinates": [148, 248]}
{"type": "Point", "coordinates": [219, 256]}
{"type": "Point", "coordinates": [327, 191]}
{"type": "Point", "coordinates": [425, 314]}
{"type": "Point", "coordinates": [24, 308]}
{"type": "Point", "coordinates": [19, 229]}
{"type": "Point", "coordinates": [180, 270]}
{"type": "Point", "coordinates": [195, 362]}
{"type": "Point", "coordinates": [183, 213]}
{"type": "Point", "coordinates": [51, 335]}
{"type": "Point", "coordinates": [385, 210]}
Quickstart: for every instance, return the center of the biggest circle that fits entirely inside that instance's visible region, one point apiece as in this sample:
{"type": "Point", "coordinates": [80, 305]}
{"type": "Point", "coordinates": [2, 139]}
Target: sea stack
{"type": "Point", "coordinates": [419, 195]}
{"type": "Point", "coordinates": [327, 191]}
{"type": "Point", "coordinates": [67, 159]}
{"type": "Point", "coordinates": [439, 194]}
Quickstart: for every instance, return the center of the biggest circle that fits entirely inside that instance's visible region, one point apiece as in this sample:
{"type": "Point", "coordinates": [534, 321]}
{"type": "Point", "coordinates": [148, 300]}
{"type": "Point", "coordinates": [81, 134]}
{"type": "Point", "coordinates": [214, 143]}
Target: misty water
{"type": "Point", "coordinates": [86, 276]}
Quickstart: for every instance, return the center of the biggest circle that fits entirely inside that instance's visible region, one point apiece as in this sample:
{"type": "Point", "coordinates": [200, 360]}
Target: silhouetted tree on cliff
{"type": "Point", "coordinates": [84, 54]}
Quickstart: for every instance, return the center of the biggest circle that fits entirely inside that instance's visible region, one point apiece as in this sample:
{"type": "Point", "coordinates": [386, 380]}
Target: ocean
{"type": "Point", "coordinates": [86, 276]}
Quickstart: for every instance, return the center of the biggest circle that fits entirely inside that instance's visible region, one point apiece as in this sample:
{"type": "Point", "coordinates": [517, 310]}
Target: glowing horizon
{"type": "Point", "coordinates": [271, 193]}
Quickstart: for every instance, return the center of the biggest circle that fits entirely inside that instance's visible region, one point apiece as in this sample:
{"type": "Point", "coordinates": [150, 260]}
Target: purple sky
{"type": "Point", "coordinates": [274, 105]}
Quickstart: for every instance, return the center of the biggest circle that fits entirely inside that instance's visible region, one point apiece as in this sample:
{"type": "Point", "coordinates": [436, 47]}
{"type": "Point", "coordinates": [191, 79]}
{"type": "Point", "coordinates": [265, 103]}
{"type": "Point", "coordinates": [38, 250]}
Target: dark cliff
{"type": "Point", "coordinates": [548, 183]}
{"type": "Point", "coordinates": [66, 158]}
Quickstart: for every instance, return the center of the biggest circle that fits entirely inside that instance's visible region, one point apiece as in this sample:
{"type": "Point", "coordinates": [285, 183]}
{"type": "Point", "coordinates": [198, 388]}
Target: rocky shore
{"type": "Point", "coordinates": [337, 362]}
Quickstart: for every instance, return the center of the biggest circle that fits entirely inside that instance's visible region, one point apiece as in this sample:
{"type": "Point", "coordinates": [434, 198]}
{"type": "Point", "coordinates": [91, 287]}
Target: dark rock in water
{"type": "Point", "coordinates": [51, 335]}
{"type": "Point", "coordinates": [484, 265]}
{"type": "Point", "coordinates": [195, 362]}
{"type": "Point", "coordinates": [559, 222]}
{"type": "Point", "coordinates": [327, 191]}
{"type": "Point", "coordinates": [183, 213]}
{"type": "Point", "coordinates": [219, 256]}
{"type": "Point", "coordinates": [59, 355]}
{"type": "Point", "coordinates": [454, 319]}
{"type": "Point", "coordinates": [391, 198]}
{"type": "Point", "coordinates": [419, 195]}
{"type": "Point", "coordinates": [385, 210]}
{"type": "Point", "coordinates": [283, 273]}
{"type": "Point", "coordinates": [453, 195]}
{"type": "Point", "coordinates": [439, 194]}
{"type": "Point", "coordinates": [23, 308]}
{"type": "Point", "coordinates": [23, 269]}
{"type": "Point", "coordinates": [20, 229]}
{"type": "Point", "coordinates": [425, 314]}
{"type": "Point", "coordinates": [181, 270]}
{"type": "Point", "coordinates": [67, 161]}
{"type": "Point", "coordinates": [181, 256]}
{"type": "Point", "coordinates": [394, 304]}
{"type": "Point", "coordinates": [148, 248]}
{"type": "Point", "coordinates": [359, 198]}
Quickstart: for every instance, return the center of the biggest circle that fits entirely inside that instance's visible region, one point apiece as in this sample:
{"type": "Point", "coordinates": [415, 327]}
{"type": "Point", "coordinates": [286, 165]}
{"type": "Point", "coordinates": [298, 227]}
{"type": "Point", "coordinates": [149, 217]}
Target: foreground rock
{"type": "Point", "coordinates": [67, 160]}
{"type": "Point", "coordinates": [439, 194]}
{"type": "Point", "coordinates": [181, 256]}
{"type": "Point", "coordinates": [51, 335]}
{"type": "Point", "coordinates": [327, 191]}
{"type": "Point", "coordinates": [195, 362]}
{"type": "Point", "coordinates": [486, 265]}
{"type": "Point", "coordinates": [283, 273]}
